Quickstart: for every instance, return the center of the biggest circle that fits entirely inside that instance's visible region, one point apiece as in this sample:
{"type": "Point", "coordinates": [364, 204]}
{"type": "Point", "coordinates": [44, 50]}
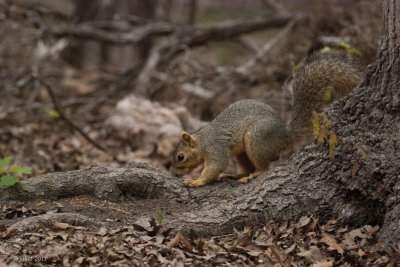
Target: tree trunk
{"type": "Point", "coordinates": [377, 126]}
{"type": "Point", "coordinates": [360, 185]}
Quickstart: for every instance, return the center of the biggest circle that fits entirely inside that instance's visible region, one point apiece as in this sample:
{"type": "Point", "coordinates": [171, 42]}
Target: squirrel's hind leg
{"type": "Point", "coordinates": [245, 165]}
{"type": "Point", "coordinates": [261, 141]}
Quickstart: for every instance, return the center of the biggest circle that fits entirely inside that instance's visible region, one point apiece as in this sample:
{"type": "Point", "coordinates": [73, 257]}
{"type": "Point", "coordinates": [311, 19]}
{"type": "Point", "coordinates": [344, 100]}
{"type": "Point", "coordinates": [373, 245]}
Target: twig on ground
{"type": "Point", "coordinates": [64, 117]}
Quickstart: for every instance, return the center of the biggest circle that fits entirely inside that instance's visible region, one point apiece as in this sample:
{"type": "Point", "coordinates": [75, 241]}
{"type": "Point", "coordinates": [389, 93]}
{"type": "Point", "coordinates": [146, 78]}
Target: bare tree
{"type": "Point", "coordinates": [193, 10]}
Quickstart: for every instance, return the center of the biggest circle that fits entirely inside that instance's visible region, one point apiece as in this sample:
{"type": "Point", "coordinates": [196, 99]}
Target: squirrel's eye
{"type": "Point", "coordinates": [181, 156]}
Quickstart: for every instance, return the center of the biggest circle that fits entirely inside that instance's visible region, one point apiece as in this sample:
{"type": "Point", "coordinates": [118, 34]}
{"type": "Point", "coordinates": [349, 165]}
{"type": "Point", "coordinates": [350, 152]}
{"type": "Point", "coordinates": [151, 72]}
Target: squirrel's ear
{"type": "Point", "coordinates": [188, 139]}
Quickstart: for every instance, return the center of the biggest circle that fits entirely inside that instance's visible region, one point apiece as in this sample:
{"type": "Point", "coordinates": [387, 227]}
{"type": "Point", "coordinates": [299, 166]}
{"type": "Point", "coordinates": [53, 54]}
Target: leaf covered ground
{"type": "Point", "coordinates": [307, 242]}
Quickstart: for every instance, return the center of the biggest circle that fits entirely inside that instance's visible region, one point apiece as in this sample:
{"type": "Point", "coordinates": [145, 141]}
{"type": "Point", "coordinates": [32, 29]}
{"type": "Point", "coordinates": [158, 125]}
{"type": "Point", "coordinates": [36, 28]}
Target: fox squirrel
{"type": "Point", "coordinates": [254, 132]}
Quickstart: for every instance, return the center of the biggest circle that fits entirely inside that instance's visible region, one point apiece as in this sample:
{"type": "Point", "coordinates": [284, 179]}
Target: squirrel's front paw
{"type": "Point", "coordinates": [245, 180]}
{"type": "Point", "coordinates": [193, 182]}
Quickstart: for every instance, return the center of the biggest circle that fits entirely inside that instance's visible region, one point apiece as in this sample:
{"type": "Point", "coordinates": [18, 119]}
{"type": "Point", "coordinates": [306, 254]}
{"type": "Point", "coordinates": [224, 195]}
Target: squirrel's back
{"type": "Point", "coordinates": [230, 125]}
{"type": "Point", "coordinates": [242, 109]}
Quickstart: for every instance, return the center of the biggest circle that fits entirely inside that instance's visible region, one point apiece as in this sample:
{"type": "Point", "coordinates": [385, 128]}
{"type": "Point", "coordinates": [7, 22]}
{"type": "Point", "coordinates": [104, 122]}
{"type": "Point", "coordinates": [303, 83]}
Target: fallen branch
{"type": "Point", "coordinates": [267, 46]}
{"type": "Point", "coordinates": [90, 31]}
{"type": "Point", "coordinates": [72, 125]}
{"type": "Point", "coordinates": [179, 39]}
{"type": "Point", "coordinates": [190, 37]}
{"type": "Point", "coordinates": [194, 36]}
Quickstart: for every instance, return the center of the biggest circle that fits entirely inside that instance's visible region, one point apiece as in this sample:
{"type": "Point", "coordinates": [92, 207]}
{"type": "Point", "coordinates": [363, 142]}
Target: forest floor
{"type": "Point", "coordinates": [116, 239]}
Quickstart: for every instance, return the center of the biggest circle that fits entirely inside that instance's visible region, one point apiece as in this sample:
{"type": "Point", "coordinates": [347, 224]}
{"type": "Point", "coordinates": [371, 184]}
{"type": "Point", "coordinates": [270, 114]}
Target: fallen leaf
{"type": "Point", "coordinates": [342, 230]}
{"type": "Point", "coordinates": [59, 205]}
{"type": "Point", "coordinates": [311, 226]}
{"type": "Point", "coordinates": [180, 239]}
{"type": "Point", "coordinates": [102, 231]}
{"type": "Point", "coordinates": [312, 255]}
{"type": "Point", "coordinates": [41, 203]}
{"type": "Point", "coordinates": [64, 237]}
{"type": "Point", "coordinates": [332, 243]}
{"type": "Point", "coordinates": [352, 238]}
{"type": "Point", "coordinates": [303, 221]}
{"type": "Point", "coordinates": [244, 239]}
{"type": "Point", "coordinates": [201, 245]}
{"type": "Point", "coordinates": [254, 253]}
{"type": "Point", "coordinates": [60, 226]}
{"type": "Point", "coordinates": [278, 255]}
{"type": "Point", "coordinates": [290, 249]}
{"type": "Point", "coordinates": [357, 233]}
{"type": "Point", "coordinates": [80, 260]}
{"type": "Point", "coordinates": [361, 253]}
{"type": "Point", "coordinates": [160, 239]}
{"type": "Point", "coordinates": [323, 263]}
{"type": "Point", "coordinates": [139, 228]}
{"type": "Point", "coordinates": [329, 226]}
{"type": "Point", "coordinates": [381, 261]}
{"type": "Point", "coordinates": [372, 229]}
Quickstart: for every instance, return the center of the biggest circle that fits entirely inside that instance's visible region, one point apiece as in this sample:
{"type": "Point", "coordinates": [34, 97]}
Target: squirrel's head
{"type": "Point", "coordinates": [187, 155]}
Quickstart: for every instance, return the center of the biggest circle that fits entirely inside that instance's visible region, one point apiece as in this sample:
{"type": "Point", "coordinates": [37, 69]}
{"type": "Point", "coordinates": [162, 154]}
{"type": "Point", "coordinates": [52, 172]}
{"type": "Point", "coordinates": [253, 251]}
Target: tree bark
{"type": "Point", "coordinates": [377, 125]}
{"type": "Point", "coordinates": [360, 185]}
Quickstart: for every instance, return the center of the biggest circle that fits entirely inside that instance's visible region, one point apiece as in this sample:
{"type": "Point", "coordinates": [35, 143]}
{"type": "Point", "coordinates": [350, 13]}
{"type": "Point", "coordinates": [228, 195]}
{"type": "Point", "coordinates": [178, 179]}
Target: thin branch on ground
{"type": "Point", "coordinates": [137, 34]}
{"type": "Point", "coordinates": [58, 108]}
{"type": "Point", "coordinates": [267, 47]}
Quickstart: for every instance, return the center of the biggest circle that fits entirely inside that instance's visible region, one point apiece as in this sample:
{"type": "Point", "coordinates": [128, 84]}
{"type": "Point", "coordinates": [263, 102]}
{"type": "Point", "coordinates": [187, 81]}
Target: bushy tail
{"type": "Point", "coordinates": [318, 80]}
